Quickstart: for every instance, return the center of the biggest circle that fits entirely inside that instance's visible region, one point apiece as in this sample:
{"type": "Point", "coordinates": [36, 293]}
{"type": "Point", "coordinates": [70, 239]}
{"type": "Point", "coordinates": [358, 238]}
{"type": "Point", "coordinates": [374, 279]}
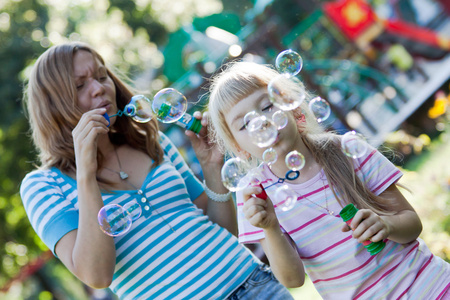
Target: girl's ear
{"type": "Point", "coordinates": [242, 153]}
{"type": "Point", "coordinates": [300, 119]}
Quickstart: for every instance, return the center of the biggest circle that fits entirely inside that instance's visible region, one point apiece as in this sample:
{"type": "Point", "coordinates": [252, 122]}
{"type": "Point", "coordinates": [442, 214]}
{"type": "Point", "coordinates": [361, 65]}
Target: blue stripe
{"type": "Point", "coordinates": [217, 274]}
{"type": "Point", "coordinates": [160, 252]}
{"type": "Point", "coordinates": [210, 241]}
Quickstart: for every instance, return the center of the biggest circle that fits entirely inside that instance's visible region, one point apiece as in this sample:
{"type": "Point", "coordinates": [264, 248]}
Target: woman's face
{"type": "Point", "coordinates": [260, 103]}
{"type": "Point", "coordinates": [95, 88]}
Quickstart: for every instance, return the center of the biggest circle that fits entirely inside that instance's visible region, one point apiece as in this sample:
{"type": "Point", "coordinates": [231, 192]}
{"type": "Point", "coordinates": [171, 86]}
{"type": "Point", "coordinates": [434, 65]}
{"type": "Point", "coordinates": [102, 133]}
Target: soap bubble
{"type": "Point", "coordinates": [254, 177]}
{"type": "Point", "coordinates": [262, 131]}
{"type": "Point", "coordinates": [139, 109]}
{"type": "Point", "coordinates": [169, 105]}
{"type": "Point", "coordinates": [320, 108]}
{"type": "Point", "coordinates": [353, 144]}
{"type": "Point", "coordinates": [285, 197]}
{"type": "Point", "coordinates": [295, 161]}
{"type": "Point", "coordinates": [289, 62]}
{"type": "Point", "coordinates": [270, 156]}
{"type": "Point", "coordinates": [250, 116]}
{"type": "Point", "coordinates": [133, 209]}
{"type": "Point", "coordinates": [232, 172]}
{"type": "Point", "coordinates": [280, 119]}
{"type": "Point", "coordinates": [286, 92]}
{"type": "Point", "coordinates": [114, 220]}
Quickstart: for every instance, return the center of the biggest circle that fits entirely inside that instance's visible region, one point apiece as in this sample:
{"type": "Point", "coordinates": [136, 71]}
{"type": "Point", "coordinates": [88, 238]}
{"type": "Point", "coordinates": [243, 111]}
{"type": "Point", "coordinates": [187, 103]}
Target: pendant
{"type": "Point", "coordinates": [123, 175]}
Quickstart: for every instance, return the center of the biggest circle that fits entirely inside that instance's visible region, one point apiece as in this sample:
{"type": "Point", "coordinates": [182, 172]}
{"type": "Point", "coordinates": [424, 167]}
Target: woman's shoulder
{"type": "Point", "coordinates": [42, 174]}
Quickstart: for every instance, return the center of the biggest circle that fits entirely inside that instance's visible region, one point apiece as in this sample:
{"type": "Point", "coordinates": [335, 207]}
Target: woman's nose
{"type": "Point", "coordinates": [97, 88]}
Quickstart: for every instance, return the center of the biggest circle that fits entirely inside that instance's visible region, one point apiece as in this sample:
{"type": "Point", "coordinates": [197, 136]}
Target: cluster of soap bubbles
{"type": "Point", "coordinates": [116, 220]}
{"type": "Point", "coordinates": [168, 105]}
{"type": "Point", "coordinates": [285, 92]}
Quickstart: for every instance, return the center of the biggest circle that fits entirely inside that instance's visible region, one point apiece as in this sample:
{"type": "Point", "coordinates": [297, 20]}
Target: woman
{"type": "Point", "coordinates": [173, 251]}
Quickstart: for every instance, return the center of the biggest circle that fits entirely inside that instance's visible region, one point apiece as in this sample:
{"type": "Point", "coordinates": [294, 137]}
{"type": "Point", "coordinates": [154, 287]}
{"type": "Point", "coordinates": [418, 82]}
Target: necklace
{"type": "Point", "coordinates": [145, 202]}
{"type": "Point", "coordinates": [330, 212]}
{"type": "Point", "coordinates": [292, 175]}
{"type": "Point", "coordinates": [123, 175]}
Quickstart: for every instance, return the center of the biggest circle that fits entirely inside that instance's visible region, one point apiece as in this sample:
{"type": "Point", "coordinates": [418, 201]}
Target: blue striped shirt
{"type": "Point", "coordinates": [196, 260]}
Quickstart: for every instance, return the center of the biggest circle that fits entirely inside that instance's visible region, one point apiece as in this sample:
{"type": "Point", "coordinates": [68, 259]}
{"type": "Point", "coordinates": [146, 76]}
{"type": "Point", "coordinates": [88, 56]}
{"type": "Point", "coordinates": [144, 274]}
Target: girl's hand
{"type": "Point", "coordinates": [85, 135]}
{"type": "Point", "coordinates": [206, 152]}
{"type": "Point", "coordinates": [258, 212]}
{"type": "Point", "coordinates": [367, 225]}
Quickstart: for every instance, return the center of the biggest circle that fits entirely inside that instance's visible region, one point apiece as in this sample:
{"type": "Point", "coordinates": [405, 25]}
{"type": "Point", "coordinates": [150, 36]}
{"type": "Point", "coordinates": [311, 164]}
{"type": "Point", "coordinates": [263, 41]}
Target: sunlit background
{"type": "Point", "coordinates": [384, 67]}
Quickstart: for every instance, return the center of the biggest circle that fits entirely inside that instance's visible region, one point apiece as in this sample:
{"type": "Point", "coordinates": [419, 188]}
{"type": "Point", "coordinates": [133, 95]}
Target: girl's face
{"type": "Point", "coordinates": [260, 103]}
{"type": "Point", "coordinates": [95, 88]}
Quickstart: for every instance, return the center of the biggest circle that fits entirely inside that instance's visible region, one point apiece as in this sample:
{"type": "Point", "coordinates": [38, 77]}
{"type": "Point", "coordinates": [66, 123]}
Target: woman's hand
{"type": "Point", "coordinates": [258, 212]}
{"type": "Point", "coordinates": [207, 152]}
{"type": "Point", "coordinates": [85, 135]}
{"type": "Point", "coordinates": [367, 225]}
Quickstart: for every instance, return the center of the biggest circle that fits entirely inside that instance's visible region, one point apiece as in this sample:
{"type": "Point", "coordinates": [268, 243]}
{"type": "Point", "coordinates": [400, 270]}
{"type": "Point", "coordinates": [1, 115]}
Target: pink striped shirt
{"type": "Point", "coordinates": [339, 266]}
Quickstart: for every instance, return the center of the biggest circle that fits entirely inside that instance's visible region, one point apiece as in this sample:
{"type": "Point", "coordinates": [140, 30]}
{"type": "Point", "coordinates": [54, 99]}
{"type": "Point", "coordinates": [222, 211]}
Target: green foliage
{"type": "Point", "coordinates": [125, 34]}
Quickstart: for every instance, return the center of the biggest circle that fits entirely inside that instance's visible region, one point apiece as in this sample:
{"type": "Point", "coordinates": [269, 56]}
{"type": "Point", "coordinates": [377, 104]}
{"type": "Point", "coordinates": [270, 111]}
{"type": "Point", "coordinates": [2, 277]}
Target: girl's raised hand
{"type": "Point", "coordinates": [367, 225]}
{"type": "Point", "coordinates": [258, 212]}
{"type": "Point", "coordinates": [85, 135]}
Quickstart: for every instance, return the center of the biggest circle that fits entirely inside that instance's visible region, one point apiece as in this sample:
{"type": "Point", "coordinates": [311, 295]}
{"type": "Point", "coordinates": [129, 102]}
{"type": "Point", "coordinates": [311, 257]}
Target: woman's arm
{"type": "Point", "coordinates": [87, 252]}
{"type": "Point", "coordinates": [211, 160]}
{"type": "Point", "coordinates": [278, 247]}
{"type": "Point", "coordinates": [402, 227]}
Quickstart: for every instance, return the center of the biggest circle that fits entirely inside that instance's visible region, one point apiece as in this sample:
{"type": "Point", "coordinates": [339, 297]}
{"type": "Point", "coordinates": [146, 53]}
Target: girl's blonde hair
{"type": "Point", "coordinates": [50, 97]}
{"type": "Point", "coordinates": [237, 81]}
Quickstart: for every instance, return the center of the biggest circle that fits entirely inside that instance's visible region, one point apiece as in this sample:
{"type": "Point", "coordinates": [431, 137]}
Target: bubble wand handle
{"type": "Point", "coordinates": [347, 214]}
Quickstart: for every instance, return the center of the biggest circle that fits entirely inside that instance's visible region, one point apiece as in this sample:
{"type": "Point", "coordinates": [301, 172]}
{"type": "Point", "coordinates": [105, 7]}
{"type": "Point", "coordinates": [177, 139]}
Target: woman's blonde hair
{"type": "Point", "coordinates": [50, 96]}
{"type": "Point", "coordinates": [237, 81]}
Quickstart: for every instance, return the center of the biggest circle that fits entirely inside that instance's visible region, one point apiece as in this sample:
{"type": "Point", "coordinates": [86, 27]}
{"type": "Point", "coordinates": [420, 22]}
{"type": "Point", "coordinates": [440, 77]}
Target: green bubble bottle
{"type": "Point", "coordinates": [347, 214]}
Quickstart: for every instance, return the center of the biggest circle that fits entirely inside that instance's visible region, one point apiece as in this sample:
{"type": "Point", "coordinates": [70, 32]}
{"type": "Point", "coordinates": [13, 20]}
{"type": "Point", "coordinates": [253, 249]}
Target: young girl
{"type": "Point", "coordinates": [177, 248]}
{"type": "Point", "coordinates": [331, 253]}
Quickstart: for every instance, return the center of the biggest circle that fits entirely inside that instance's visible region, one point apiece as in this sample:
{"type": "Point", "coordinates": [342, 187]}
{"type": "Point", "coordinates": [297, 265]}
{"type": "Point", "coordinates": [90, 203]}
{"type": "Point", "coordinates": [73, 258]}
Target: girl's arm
{"type": "Point", "coordinates": [88, 252]}
{"type": "Point", "coordinates": [402, 227]}
{"type": "Point", "coordinates": [278, 247]}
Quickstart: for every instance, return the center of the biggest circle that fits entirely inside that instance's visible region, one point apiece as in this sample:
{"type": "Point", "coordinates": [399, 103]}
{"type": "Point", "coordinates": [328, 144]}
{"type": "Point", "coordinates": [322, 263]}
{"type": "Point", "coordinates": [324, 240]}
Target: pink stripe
{"type": "Point", "coordinates": [418, 273]}
{"type": "Point", "coordinates": [365, 160]}
{"type": "Point", "coordinates": [250, 233]}
{"type": "Point", "coordinates": [307, 223]}
{"type": "Point", "coordinates": [446, 289]}
{"type": "Point", "coordinates": [347, 273]}
{"type": "Point", "coordinates": [306, 195]}
{"type": "Point", "coordinates": [372, 285]}
{"type": "Point", "coordinates": [385, 274]}
{"type": "Point", "coordinates": [327, 249]}
{"type": "Point", "coordinates": [387, 180]}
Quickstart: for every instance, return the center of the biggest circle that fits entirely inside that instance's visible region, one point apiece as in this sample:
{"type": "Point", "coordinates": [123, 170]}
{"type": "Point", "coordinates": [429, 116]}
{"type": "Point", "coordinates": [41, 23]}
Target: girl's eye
{"type": "Point", "coordinates": [268, 107]}
{"type": "Point", "coordinates": [103, 78]}
{"type": "Point", "coordinates": [80, 86]}
{"type": "Point", "coordinates": [243, 127]}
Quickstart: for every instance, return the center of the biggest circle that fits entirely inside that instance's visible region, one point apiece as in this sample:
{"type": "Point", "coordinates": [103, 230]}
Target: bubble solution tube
{"type": "Point", "coordinates": [347, 214]}
{"type": "Point", "coordinates": [186, 121]}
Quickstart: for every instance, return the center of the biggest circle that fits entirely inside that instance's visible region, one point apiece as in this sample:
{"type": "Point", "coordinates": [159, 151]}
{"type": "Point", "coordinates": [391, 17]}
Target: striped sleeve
{"type": "Point", "coordinates": [50, 213]}
{"type": "Point", "coordinates": [194, 186]}
{"type": "Point", "coordinates": [376, 171]}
